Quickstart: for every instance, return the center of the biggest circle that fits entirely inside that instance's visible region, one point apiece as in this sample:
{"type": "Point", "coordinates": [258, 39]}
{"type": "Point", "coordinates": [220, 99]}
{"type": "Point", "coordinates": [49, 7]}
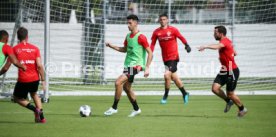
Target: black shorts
{"type": "Point", "coordinates": [21, 90]}
{"type": "Point", "coordinates": [230, 78]}
{"type": "Point", "coordinates": [130, 72]}
{"type": "Point", "coordinates": [171, 65]}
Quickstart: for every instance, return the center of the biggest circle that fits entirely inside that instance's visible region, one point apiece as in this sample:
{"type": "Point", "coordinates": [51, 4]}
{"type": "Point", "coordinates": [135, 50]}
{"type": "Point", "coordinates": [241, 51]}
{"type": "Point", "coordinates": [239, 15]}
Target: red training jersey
{"type": "Point", "coordinates": [142, 40]}
{"type": "Point", "coordinates": [27, 54]}
{"type": "Point", "coordinates": [168, 43]}
{"type": "Point", "coordinates": [7, 50]}
{"type": "Point", "coordinates": [226, 55]}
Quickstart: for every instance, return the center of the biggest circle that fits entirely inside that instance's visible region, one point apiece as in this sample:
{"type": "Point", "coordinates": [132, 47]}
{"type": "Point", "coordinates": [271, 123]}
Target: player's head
{"type": "Point", "coordinates": [22, 34]}
{"type": "Point", "coordinates": [132, 21]}
{"type": "Point", "coordinates": [163, 20]}
{"type": "Point", "coordinates": [219, 32]}
{"type": "Point", "coordinates": [4, 36]}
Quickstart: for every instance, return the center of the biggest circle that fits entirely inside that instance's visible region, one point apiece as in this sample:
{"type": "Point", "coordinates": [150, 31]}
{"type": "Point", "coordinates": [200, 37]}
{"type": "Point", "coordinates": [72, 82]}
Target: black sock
{"type": "Point", "coordinates": [135, 105]}
{"type": "Point", "coordinates": [115, 104]}
{"type": "Point", "coordinates": [183, 91]}
{"type": "Point", "coordinates": [31, 107]}
{"type": "Point", "coordinates": [241, 107]}
{"type": "Point", "coordinates": [41, 114]}
{"type": "Point", "coordinates": [227, 100]}
{"type": "Point", "coordinates": [166, 93]}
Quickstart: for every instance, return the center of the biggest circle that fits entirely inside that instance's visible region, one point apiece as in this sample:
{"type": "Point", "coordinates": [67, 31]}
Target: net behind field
{"type": "Point", "coordinates": [79, 60]}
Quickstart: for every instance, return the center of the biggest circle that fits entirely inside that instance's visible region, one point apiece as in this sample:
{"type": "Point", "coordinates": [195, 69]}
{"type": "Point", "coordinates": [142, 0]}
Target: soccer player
{"type": "Point", "coordinates": [167, 37]}
{"type": "Point", "coordinates": [136, 47]}
{"type": "Point", "coordinates": [7, 52]}
{"type": "Point", "coordinates": [229, 72]}
{"type": "Point", "coordinates": [28, 81]}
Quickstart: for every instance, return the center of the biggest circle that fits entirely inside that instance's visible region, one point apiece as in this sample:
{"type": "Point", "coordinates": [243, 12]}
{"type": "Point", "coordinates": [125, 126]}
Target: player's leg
{"type": "Point", "coordinates": [231, 86]}
{"type": "Point", "coordinates": [221, 80]}
{"type": "Point", "coordinates": [132, 98]}
{"type": "Point", "coordinates": [238, 103]}
{"type": "Point", "coordinates": [118, 92]}
{"type": "Point", "coordinates": [32, 88]}
{"type": "Point", "coordinates": [39, 111]}
{"type": "Point", "coordinates": [216, 89]}
{"type": "Point", "coordinates": [20, 96]}
{"type": "Point", "coordinates": [167, 78]}
{"type": "Point", "coordinates": [180, 86]}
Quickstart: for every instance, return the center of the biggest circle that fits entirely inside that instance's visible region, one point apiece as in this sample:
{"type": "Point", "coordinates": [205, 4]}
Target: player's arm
{"type": "Point", "coordinates": [212, 46]}
{"type": "Point", "coordinates": [183, 40]}
{"type": "Point", "coordinates": [41, 72]}
{"type": "Point", "coordinates": [8, 51]}
{"type": "Point", "coordinates": [142, 40]}
{"type": "Point", "coordinates": [120, 49]}
{"type": "Point", "coordinates": [14, 61]}
{"type": "Point", "coordinates": [149, 59]}
{"type": "Point", "coordinates": [153, 41]}
{"type": "Point", "coordinates": [5, 68]}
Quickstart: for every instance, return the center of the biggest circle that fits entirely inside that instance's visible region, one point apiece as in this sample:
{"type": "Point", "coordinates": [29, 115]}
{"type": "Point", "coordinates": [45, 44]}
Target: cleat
{"type": "Point", "coordinates": [43, 120]}
{"type": "Point", "coordinates": [242, 112]}
{"type": "Point", "coordinates": [228, 106]}
{"type": "Point", "coordinates": [163, 101]}
{"type": "Point", "coordinates": [186, 98]}
{"type": "Point", "coordinates": [37, 115]}
{"type": "Point", "coordinates": [134, 113]}
{"type": "Point", "coordinates": [110, 112]}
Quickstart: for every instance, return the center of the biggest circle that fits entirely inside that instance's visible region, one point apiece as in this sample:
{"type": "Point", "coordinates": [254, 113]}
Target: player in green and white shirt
{"type": "Point", "coordinates": [136, 47]}
{"type": "Point", "coordinates": [6, 52]}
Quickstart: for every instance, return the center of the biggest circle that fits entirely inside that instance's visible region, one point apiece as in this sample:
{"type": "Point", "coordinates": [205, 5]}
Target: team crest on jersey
{"type": "Point", "coordinates": [18, 51]}
{"type": "Point", "coordinates": [169, 33]}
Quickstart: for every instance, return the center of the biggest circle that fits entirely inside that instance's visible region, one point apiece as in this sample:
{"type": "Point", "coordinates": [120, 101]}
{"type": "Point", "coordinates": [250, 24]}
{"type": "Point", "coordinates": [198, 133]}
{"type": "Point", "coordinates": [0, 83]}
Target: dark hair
{"type": "Point", "coordinates": [163, 15]}
{"type": "Point", "coordinates": [133, 17]}
{"type": "Point", "coordinates": [221, 29]}
{"type": "Point", "coordinates": [3, 34]}
{"type": "Point", "coordinates": [22, 33]}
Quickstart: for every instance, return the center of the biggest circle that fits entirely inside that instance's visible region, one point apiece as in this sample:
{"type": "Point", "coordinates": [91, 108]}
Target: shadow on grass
{"type": "Point", "coordinates": [15, 122]}
{"type": "Point", "coordinates": [73, 115]}
{"type": "Point", "coordinates": [183, 116]}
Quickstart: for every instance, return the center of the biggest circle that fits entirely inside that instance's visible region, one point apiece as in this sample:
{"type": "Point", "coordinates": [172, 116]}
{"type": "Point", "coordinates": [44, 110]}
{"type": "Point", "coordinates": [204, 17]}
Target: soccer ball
{"type": "Point", "coordinates": [85, 111]}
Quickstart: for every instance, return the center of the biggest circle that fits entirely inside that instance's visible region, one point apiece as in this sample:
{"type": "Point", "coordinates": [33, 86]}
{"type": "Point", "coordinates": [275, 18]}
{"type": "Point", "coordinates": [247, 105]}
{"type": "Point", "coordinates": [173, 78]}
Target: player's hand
{"type": "Point", "coordinates": [188, 48]}
{"type": "Point", "coordinates": [235, 53]}
{"type": "Point", "coordinates": [201, 48]}
{"type": "Point", "coordinates": [146, 74]}
{"type": "Point", "coordinates": [24, 68]}
{"type": "Point", "coordinates": [108, 44]}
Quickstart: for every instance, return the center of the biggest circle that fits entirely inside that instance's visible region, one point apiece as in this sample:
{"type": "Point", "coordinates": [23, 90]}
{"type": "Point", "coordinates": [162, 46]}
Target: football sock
{"type": "Point", "coordinates": [241, 107]}
{"type": "Point", "coordinates": [115, 104]}
{"type": "Point", "coordinates": [135, 105]}
{"type": "Point", "coordinates": [183, 91]}
{"type": "Point", "coordinates": [31, 107]}
{"type": "Point", "coordinates": [166, 93]}
{"type": "Point", "coordinates": [227, 100]}
{"type": "Point", "coordinates": [41, 114]}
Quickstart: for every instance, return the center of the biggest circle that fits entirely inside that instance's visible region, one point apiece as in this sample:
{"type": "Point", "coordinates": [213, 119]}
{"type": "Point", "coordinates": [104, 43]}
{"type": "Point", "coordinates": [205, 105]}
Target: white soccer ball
{"type": "Point", "coordinates": [85, 111]}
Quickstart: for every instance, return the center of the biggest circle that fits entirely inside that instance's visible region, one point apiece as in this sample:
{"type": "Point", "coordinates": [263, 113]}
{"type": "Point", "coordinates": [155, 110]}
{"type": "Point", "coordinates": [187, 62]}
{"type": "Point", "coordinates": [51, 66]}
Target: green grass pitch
{"type": "Point", "coordinates": [202, 117]}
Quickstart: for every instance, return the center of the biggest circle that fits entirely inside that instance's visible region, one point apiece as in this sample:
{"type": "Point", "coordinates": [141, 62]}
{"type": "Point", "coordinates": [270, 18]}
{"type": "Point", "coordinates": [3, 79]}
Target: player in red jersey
{"type": "Point", "coordinates": [6, 54]}
{"type": "Point", "coordinates": [229, 72]}
{"type": "Point", "coordinates": [167, 37]}
{"type": "Point", "coordinates": [28, 81]}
